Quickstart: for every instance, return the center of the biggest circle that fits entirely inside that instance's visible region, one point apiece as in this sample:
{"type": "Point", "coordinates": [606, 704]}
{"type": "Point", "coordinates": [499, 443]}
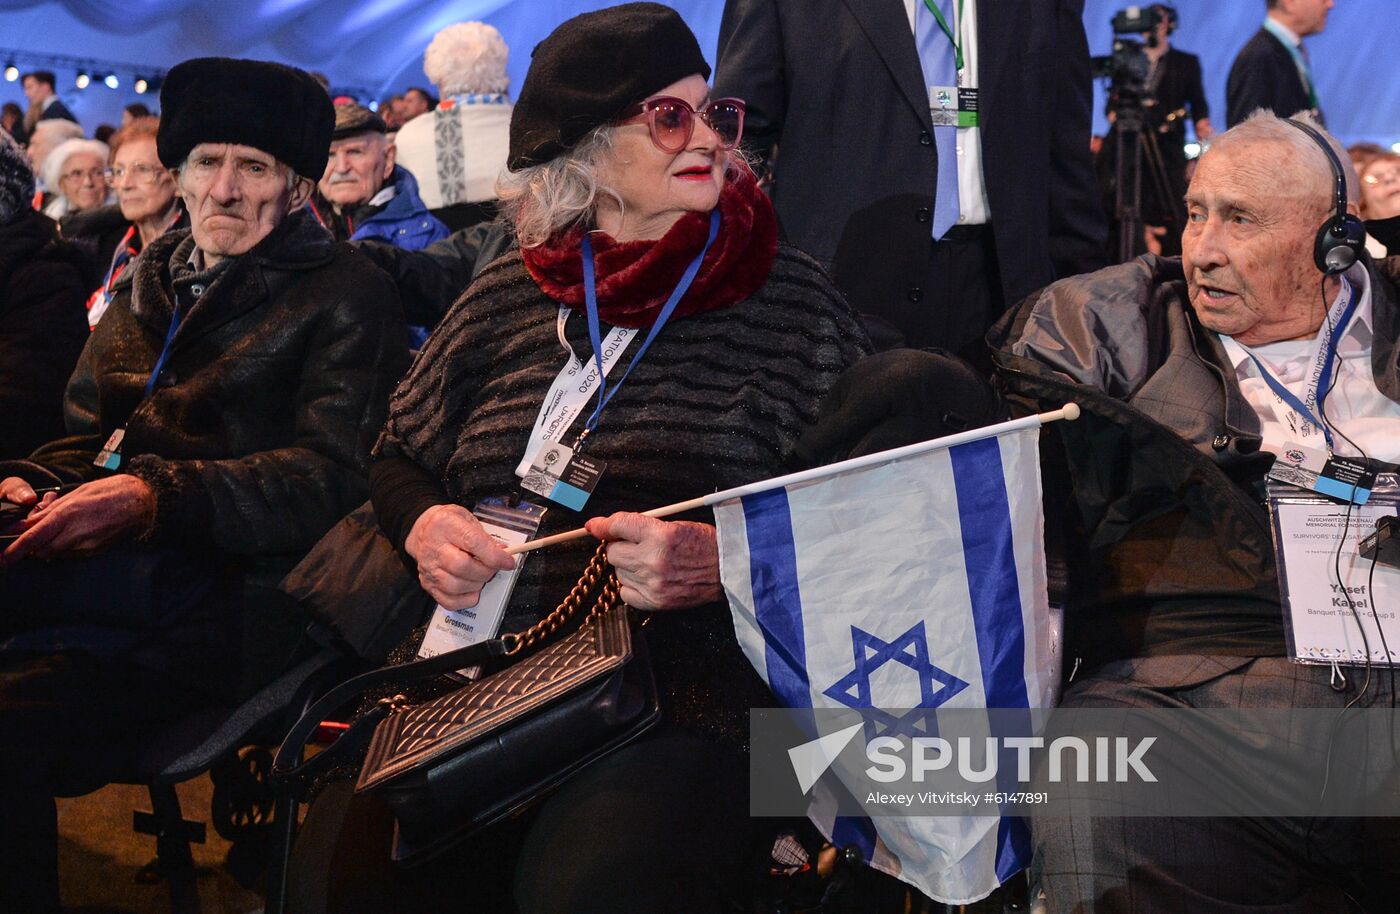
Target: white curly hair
{"type": "Point", "coordinates": [54, 162]}
{"type": "Point", "coordinates": [467, 57]}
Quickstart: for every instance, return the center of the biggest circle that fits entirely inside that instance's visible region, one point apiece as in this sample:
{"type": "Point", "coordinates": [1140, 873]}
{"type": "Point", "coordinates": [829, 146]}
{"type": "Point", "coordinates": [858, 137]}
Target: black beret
{"type": "Point", "coordinates": [591, 68]}
{"type": "Point", "coordinates": [352, 119]}
{"type": "Point", "coordinates": [278, 109]}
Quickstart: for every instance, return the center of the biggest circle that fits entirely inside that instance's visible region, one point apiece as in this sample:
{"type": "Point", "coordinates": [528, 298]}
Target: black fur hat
{"type": "Point", "coordinates": [278, 109]}
{"type": "Point", "coordinates": [591, 68]}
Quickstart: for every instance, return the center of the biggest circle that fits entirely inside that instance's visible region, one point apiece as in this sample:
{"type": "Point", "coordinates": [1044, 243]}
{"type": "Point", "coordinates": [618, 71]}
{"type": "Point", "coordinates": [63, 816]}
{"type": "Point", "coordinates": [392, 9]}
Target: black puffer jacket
{"type": "Point", "coordinates": [43, 326]}
{"type": "Point", "coordinates": [256, 435]}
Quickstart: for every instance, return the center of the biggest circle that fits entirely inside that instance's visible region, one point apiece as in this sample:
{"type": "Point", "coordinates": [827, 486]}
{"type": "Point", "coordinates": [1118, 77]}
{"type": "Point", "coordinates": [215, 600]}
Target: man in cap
{"type": "Point", "coordinates": [363, 194]}
{"type": "Point", "coordinates": [219, 421]}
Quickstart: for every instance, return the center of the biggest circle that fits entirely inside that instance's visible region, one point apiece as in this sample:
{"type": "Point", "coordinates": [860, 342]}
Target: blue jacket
{"type": "Point", "coordinates": [405, 222]}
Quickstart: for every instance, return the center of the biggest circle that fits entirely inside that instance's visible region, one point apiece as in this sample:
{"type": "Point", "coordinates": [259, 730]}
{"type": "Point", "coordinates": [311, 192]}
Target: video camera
{"type": "Point", "coordinates": [1127, 67]}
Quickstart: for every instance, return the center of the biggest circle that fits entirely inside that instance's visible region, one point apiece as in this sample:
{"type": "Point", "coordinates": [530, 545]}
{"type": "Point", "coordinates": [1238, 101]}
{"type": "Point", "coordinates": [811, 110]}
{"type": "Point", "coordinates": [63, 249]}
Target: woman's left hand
{"type": "Point", "coordinates": [661, 564]}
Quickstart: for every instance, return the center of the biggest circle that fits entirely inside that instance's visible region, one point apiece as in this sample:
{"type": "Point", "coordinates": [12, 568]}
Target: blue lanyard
{"type": "Point", "coordinates": [1324, 376]}
{"type": "Point", "coordinates": [595, 336]}
{"type": "Point", "coordinates": [165, 350]}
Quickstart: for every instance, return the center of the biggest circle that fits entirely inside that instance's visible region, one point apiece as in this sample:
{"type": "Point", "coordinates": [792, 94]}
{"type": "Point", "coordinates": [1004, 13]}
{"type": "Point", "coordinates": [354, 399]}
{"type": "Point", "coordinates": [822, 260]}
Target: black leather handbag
{"type": "Point", "coordinates": [457, 763]}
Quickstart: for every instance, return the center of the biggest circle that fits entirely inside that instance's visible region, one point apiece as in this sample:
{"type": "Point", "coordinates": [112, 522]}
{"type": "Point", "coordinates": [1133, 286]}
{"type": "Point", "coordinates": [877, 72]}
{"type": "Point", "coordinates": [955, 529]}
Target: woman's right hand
{"type": "Point", "coordinates": [455, 556]}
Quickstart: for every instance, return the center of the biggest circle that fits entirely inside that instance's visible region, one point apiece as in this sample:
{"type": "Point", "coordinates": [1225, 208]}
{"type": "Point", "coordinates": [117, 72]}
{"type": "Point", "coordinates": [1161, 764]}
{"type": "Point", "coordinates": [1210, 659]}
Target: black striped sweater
{"type": "Point", "coordinates": [719, 400]}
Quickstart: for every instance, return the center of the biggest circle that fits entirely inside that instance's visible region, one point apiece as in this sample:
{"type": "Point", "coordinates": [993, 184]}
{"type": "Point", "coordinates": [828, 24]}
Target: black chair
{"type": "Point", "coordinates": [230, 743]}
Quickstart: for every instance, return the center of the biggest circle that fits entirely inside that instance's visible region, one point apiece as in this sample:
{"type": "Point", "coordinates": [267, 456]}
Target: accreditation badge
{"type": "Point", "coordinates": [562, 476]}
{"type": "Point", "coordinates": [1340, 606]}
{"type": "Point", "coordinates": [450, 629]}
{"type": "Point", "coordinates": [952, 106]}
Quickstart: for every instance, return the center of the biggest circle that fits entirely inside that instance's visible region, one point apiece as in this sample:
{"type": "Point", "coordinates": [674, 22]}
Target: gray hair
{"type": "Point", "coordinates": [1265, 126]}
{"type": "Point", "coordinates": [546, 201]}
{"type": "Point", "coordinates": [467, 57]}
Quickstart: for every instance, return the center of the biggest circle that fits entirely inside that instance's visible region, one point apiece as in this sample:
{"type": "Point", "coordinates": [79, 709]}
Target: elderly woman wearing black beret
{"type": "Point", "coordinates": [635, 214]}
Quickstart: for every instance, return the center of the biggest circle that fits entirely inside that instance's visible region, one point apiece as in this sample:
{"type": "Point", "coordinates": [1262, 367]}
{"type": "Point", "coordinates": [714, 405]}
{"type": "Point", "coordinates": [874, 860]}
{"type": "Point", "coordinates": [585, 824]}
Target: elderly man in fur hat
{"type": "Point", "coordinates": [218, 423]}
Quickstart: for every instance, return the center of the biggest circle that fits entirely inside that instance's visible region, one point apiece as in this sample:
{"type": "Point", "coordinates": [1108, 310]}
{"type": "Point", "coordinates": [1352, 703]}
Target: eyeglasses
{"type": "Point", "coordinates": [672, 120]}
{"type": "Point", "coordinates": [143, 173]}
{"type": "Point", "coordinates": [94, 173]}
{"type": "Point", "coordinates": [1389, 176]}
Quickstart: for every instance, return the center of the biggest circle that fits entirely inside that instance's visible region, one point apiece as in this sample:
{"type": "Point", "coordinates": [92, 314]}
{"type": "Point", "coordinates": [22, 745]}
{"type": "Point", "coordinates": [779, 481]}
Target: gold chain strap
{"type": "Point", "coordinates": [596, 572]}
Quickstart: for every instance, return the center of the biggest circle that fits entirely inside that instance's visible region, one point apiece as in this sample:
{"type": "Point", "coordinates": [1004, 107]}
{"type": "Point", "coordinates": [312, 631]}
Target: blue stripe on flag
{"type": "Point", "coordinates": [857, 830]}
{"type": "Point", "coordinates": [777, 605]}
{"type": "Point", "coordinates": [778, 611]}
{"type": "Point", "coordinates": [990, 557]}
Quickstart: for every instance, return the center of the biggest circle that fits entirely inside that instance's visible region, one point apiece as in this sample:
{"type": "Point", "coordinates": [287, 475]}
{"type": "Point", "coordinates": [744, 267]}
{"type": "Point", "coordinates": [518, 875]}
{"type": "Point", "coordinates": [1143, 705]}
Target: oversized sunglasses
{"type": "Point", "coordinates": [672, 120]}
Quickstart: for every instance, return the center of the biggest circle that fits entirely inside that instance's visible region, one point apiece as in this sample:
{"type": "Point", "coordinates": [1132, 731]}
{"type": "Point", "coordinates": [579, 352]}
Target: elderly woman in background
{"type": "Point", "coordinates": [618, 157]}
{"type": "Point", "coordinates": [75, 171]}
{"type": "Point", "coordinates": [1380, 199]}
{"type": "Point", "coordinates": [147, 207]}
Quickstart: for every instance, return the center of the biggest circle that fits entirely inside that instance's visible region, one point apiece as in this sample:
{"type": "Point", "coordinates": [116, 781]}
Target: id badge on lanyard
{"type": "Point", "coordinates": [549, 467]}
{"type": "Point", "coordinates": [449, 629]}
{"type": "Point", "coordinates": [1331, 593]}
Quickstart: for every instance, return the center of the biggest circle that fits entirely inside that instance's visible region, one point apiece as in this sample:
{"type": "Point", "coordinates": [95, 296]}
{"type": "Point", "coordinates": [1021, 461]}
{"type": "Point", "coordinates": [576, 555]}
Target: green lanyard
{"type": "Point", "coordinates": [943, 24]}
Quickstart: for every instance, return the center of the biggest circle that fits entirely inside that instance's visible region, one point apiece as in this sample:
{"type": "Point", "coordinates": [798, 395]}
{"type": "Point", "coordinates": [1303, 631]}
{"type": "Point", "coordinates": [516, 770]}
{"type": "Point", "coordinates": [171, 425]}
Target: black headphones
{"type": "Point", "coordinates": [1341, 239]}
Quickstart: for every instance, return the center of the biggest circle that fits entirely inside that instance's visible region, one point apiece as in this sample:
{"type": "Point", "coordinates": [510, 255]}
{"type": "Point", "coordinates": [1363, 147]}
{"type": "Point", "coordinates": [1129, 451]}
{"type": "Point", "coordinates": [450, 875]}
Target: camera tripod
{"type": "Point", "coordinates": [1136, 150]}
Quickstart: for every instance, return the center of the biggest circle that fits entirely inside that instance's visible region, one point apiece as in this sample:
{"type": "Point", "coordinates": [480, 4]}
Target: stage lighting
{"type": "Point", "coordinates": [83, 79]}
{"type": "Point", "coordinates": [141, 85]}
{"type": "Point", "coordinates": [11, 72]}
{"type": "Point", "coordinates": [111, 81]}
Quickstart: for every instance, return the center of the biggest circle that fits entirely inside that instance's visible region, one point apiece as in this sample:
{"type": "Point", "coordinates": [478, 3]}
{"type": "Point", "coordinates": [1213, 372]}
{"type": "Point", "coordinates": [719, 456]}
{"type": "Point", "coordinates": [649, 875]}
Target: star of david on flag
{"type": "Point", "coordinates": [910, 580]}
{"type": "Point", "coordinates": [910, 650]}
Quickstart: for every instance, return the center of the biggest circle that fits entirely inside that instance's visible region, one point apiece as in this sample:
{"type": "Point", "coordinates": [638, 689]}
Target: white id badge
{"type": "Point", "coordinates": [1327, 619]}
{"type": "Point", "coordinates": [451, 629]}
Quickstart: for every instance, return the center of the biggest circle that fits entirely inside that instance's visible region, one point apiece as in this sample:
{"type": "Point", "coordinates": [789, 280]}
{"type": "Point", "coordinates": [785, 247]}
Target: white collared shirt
{"type": "Point", "coordinates": [973, 208]}
{"type": "Point", "coordinates": [1287, 32]}
{"type": "Point", "coordinates": [1355, 406]}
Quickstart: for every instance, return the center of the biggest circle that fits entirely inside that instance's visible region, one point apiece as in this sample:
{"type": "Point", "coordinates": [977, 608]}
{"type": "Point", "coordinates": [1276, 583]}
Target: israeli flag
{"type": "Point", "coordinates": [927, 559]}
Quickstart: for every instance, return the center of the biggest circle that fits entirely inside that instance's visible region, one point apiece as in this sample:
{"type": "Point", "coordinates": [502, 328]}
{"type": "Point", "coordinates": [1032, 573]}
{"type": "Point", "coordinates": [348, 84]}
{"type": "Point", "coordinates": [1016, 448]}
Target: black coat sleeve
{"type": "Point", "coordinates": [430, 280]}
{"type": "Point", "coordinates": [1195, 91]}
{"type": "Point", "coordinates": [1077, 225]}
{"type": "Point", "coordinates": [401, 491]}
{"type": "Point", "coordinates": [750, 66]}
{"type": "Point", "coordinates": [43, 332]}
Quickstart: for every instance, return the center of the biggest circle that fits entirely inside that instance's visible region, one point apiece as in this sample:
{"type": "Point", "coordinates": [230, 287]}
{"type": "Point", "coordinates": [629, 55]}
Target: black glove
{"type": "Point", "coordinates": [895, 398]}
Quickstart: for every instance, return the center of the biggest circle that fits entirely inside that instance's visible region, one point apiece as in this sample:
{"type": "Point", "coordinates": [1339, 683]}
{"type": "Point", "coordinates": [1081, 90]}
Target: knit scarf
{"type": "Point", "coordinates": [634, 278]}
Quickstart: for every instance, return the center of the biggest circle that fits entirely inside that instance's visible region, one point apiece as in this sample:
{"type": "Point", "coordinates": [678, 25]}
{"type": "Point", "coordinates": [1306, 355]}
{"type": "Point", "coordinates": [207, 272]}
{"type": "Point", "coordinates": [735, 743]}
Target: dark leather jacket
{"type": "Point", "coordinates": [256, 436]}
{"type": "Point", "coordinates": [1154, 507]}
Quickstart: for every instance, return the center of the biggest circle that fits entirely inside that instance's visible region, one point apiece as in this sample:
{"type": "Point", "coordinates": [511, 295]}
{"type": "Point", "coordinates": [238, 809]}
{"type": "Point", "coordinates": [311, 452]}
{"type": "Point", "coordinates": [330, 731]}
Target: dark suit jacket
{"type": "Point", "coordinates": [837, 85]}
{"type": "Point", "coordinates": [1180, 87]}
{"type": "Point", "coordinates": [58, 111]}
{"type": "Point", "coordinates": [1264, 75]}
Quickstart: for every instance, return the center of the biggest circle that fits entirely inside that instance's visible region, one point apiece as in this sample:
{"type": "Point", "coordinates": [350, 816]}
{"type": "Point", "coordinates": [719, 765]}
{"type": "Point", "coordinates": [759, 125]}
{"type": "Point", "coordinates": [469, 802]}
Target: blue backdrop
{"type": "Point", "coordinates": [377, 45]}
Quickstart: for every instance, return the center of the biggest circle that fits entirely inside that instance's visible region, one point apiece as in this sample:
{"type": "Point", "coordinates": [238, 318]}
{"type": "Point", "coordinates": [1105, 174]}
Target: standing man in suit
{"type": "Point", "coordinates": [933, 156]}
{"type": "Point", "coordinates": [1272, 71]}
{"type": "Point", "coordinates": [44, 103]}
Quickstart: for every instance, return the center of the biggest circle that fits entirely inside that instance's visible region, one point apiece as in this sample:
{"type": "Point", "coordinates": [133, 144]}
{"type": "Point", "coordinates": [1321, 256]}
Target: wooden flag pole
{"type": "Point", "coordinates": [1070, 412]}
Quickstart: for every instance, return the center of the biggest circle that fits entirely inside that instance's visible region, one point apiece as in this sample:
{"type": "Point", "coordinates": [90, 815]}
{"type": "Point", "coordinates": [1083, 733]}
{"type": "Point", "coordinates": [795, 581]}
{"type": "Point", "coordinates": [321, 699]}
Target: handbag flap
{"type": "Point", "coordinates": [449, 722]}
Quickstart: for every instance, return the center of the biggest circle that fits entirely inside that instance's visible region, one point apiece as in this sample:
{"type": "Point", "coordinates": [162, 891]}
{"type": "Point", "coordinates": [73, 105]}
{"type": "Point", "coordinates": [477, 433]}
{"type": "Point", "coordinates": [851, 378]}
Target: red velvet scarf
{"type": "Point", "coordinates": [636, 277]}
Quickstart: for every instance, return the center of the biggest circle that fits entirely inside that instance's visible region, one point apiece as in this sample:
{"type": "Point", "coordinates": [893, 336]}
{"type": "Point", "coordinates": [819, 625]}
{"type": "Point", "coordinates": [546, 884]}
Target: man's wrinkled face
{"type": "Point", "coordinates": [1253, 210]}
{"type": "Point", "coordinates": [236, 195]}
{"type": "Point", "coordinates": [358, 167]}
